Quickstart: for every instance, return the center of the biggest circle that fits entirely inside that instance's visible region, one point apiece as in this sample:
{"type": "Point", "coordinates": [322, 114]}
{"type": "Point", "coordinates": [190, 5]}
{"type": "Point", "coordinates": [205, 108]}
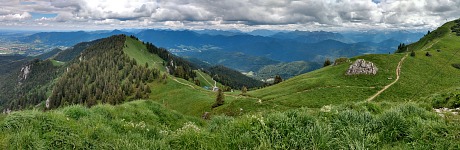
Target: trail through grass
{"type": "Point", "coordinates": [398, 71]}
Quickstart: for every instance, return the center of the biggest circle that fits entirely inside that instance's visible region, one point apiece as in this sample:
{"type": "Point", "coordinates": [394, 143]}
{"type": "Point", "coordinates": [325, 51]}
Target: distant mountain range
{"type": "Point", "coordinates": [248, 51]}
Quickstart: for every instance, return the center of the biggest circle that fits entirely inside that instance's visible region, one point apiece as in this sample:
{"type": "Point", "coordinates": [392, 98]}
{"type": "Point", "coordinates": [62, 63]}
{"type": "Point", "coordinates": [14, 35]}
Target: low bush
{"type": "Point", "coordinates": [456, 66]}
{"type": "Point", "coordinates": [341, 60]}
{"type": "Point", "coordinates": [446, 100]}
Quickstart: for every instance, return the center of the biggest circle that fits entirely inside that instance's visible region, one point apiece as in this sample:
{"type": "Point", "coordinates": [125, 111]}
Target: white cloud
{"type": "Point", "coordinates": [247, 14]}
{"type": "Point", "coordinates": [15, 17]}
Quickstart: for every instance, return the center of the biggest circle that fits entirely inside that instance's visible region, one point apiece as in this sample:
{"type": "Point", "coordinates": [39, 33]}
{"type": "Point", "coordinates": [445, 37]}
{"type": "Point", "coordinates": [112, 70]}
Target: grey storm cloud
{"type": "Point", "coordinates": [238, 13]}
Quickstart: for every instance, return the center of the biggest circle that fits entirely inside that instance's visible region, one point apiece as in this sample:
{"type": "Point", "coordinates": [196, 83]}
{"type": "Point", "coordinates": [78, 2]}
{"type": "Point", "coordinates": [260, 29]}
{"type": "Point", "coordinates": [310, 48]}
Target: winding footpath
{"type": "Point", "coordinates": [234, 96]}
{"type": "Point", "coordinates": [174, 79]}
{"type": "Point", "coordinates": [398, 72]}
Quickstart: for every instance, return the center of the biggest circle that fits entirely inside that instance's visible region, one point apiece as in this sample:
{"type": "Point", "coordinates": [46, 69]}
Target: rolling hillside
{"type": "Point", "coordinates": [421, 76]}
{"type": "Point", "coordinates": [323, 109]}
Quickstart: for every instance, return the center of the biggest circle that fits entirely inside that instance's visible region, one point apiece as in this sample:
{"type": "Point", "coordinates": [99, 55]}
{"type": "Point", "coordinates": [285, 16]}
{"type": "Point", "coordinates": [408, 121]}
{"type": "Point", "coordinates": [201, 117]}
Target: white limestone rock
{"type": "Point", "coordinates": [361, 66]}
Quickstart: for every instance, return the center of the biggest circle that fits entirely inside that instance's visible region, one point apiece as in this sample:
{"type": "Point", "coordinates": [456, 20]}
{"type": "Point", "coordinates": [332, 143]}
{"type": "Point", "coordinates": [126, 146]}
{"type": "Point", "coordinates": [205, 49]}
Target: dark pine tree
{"type": "Point", "coordinates": [278, 79]}
{"type": "Point", "coordinates": [219, 99]}
{"type": "Point", "coordinates": [327, 62]}
{"type": "Point", "coordinates": [244, 90]}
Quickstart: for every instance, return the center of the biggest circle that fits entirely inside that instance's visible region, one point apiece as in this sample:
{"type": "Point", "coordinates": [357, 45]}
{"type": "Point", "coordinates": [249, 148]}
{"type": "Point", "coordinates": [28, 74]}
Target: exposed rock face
{"type": "Point", "coordinates": [361, 66]}
{"type": "Point", "coordinates": [25, 71]}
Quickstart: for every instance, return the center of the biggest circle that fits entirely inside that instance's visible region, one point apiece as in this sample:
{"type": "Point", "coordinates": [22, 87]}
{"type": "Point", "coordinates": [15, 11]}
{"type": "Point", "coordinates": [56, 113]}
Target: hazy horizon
{"type": "Point", "coordinates": [305, 15]}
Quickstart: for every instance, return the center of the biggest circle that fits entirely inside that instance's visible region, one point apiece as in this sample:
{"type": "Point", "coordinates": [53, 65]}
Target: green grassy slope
{"type": "Point", "coordinates": [138, 51]}
{"type": "Point", "coordinates": [434, 37]}
{"type": "Point", "coordinates": [330, 85]}
{"type": "Point", "coordinates": [190, 99]}
{"type": "Point", "coordinates": [269, 118]}
{"type": "Point", "coordinates": [421, 76]}
{"type": "Point", "coordinates": [57, 63]}
{"type": "Point", "coordinates": [148, 125]}
{"type": "Point", "coordinates": [176, 93]}
{"type": "Point", "coordinates": [205, 79]}
{"type": "Point", "coordinates": [133, 125]}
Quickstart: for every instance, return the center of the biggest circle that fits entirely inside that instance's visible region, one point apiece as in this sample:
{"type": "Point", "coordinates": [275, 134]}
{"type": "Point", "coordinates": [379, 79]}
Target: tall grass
{"type": "Point", "coordinates": [148, 125]}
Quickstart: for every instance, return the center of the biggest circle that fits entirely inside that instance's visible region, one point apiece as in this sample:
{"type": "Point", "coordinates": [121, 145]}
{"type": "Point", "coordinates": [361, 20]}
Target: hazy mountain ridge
{"type": "Point", "coordinates": [243, 51]}
{"type": "Point", "coordinates": [232, 41]}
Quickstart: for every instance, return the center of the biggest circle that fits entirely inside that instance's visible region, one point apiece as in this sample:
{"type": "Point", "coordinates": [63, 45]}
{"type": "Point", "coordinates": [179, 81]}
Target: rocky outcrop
{"type": "Point", "coordinates": [24, 73]}
{"type": "Point", "coordinates": [361, 66]}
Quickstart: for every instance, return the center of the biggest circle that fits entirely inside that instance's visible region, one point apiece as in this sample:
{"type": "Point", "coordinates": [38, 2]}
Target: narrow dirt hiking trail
{"type": "Point", "coordinates": [398, 72]}
{"type": "Point", "coordinates": [183, 83]}
{"type": "Point", "coordinates": [236, 97]}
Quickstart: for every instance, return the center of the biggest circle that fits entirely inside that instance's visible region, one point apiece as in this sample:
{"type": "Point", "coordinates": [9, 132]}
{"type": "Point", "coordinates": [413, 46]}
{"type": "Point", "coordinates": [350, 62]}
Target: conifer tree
{"type": "Point", "coordinates": [219, 99]}
{"type": "Point", "coordinates": [327, 62]}
{"type": "Point", "coordinates": [244, 90]}
{"type": "Point", "coordinates": [278, 79]}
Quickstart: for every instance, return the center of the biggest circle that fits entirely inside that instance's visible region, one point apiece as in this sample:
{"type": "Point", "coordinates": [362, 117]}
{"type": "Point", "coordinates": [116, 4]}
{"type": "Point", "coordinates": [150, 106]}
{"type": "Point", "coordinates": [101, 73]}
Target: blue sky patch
{"type": "Point", "coordinates": [41, 15]}
{"type": "Point", "coordinates": [28, 3]}
{"type": "Point", "coordinates": [376, 1]}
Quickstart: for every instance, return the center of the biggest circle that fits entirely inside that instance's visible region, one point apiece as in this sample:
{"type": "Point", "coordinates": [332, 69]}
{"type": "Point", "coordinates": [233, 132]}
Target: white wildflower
{"type": "Point", "coordinates": [326, 108]}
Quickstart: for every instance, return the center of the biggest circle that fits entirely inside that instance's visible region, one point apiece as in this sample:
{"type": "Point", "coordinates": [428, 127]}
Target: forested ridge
{"type": "Point", "coordinates": [175, 65]}
{"type": "Point", "coordinates": [72, 52]}
{"type": "Point", "coordinates": [232, 78]}
{"type": "Point", "coordinates": [100, 72]}
{"type": "Point", "coordinates": [103, 74]}
{"type": "Point", "coordinates": [182, 68]}
{"type": "Point", "coordinates": [20, 90]}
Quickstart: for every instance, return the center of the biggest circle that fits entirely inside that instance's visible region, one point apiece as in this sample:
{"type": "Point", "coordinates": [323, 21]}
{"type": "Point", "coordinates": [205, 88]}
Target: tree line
{"type": "Point", "coordinates": [176, 66]}
{"type": "Point", "coordinates": [104, 74]}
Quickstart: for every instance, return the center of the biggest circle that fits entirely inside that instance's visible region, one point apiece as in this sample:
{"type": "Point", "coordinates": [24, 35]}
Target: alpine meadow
{"type": "Point", "coordinates": [230, 75]}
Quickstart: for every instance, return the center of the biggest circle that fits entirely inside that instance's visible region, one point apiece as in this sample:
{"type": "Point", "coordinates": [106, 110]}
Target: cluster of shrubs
{"type": "Point", "coordinates": [341, 60]}
{"type": "Point", "coordinates": [446, 100]}
{"type": "Point", "coordinates": [456, 66]}
{"type": "Point", "coordinates": [456, 27]}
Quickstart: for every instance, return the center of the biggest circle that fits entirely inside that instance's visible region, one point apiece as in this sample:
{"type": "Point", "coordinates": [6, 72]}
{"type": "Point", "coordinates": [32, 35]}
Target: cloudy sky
{"type": "Point", "coordinates": [329, 15]}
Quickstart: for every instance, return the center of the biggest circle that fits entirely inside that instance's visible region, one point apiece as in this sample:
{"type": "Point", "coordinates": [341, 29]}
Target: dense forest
{"type": "Point", "coordinates": [232, 78]}
{"type": "Point", "coordinates": [10, 63]}
{"type": "Point", "coordinates": [22, 89]}
{"type": "Point", "coordinates": [175, 65]}
{"type": "Point", "coordinates": [72, 52]}
{"type": "Point", "coordinates": [103, 74]}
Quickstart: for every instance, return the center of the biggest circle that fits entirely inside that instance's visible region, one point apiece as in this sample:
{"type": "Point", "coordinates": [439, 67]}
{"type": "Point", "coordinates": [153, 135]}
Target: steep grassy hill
{"type": "Point", "coordinates": [421, 76]}
{"type": "Point", "coordinates": [137, 50]}
{"type": "Point", "coordinates": [430, 39]}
